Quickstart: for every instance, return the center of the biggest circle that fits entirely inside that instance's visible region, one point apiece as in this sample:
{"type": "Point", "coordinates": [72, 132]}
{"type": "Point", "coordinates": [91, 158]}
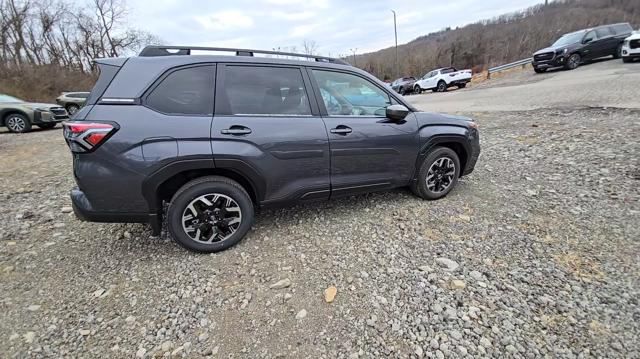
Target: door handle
{"type": "Point", "coordinates": [236, 131]}
{"type": "Point", "coordinates": [341, 130]}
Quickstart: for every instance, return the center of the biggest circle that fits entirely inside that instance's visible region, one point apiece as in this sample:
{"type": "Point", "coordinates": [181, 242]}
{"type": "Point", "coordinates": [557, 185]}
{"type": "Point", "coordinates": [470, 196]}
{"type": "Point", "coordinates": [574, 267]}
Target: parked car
{"type": "Point", "coordinates": [574, 48]}
{"type": "Point", "coordinates": [19, 116]}
{"type": "Point", "coordinates": [403, 85]}
{"type": "Point", "coordinates": [211, 138]}
{"type": "Point", "coordinates": [631, 47]}
{"type": "Point", "coordinates": [72, 101]}
{"type": "Point", "coordinates": [441, 79]}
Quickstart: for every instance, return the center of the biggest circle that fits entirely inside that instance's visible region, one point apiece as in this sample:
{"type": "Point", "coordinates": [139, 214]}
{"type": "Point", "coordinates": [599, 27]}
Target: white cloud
{"type": "Point", "coordinates": [224, 20]}
{"type": "Point", "coordinates": [306, 3]}
{"type": "Point", "coordinates": [302, 30]}
{"type": "Point", "coordinates": [292, 16]}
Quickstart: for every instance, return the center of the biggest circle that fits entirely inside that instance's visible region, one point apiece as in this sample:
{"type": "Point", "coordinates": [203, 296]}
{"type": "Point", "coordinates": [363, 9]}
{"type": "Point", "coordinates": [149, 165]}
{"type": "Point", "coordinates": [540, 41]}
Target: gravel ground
{"type": "Point", "coordinates": [534, 255]}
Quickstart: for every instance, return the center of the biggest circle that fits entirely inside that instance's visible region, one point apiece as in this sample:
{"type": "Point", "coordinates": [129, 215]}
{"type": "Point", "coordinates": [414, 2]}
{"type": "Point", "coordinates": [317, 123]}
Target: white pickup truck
{"type": "Point", "coordinates": [441, 79]}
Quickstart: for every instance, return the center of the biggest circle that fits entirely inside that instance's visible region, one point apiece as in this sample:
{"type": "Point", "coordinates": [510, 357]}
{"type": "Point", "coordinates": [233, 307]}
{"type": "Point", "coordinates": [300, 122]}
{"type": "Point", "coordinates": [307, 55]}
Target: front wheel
{"type": "Point", "coordinates": [17, 123]}
{"type": "Point", "coordinates": [402, 91]}
{"type": "Point", "coordinates": [539, 70]}
{"type": "Point", "coordinates": [417, 89]}
{"type": "Point", "coordinates": [438, 174]}
{"type": "Point", "coordinates": [573, 62]}
{"type": "Point", "coordinates": [442, 86]}
{"type": "Point", "coordinates": [210, 214]}
{"type": "Point", "coordinates": [72, 109]}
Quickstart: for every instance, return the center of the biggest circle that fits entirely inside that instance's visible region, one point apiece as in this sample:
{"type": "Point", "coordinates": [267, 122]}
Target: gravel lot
{"type": "Point", "coordinates": [609, 83]}
{"type": "Point", "coordinates": [533, 255]}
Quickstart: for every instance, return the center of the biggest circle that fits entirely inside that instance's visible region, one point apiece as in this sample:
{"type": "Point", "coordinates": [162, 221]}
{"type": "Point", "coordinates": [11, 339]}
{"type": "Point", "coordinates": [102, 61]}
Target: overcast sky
{"type": "Point", "coordinates": [337, 26]}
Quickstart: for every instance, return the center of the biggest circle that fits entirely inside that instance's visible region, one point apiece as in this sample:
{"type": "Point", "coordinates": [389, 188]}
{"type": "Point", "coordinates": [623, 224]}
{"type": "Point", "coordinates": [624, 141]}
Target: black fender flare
{"type": "Point", "coordinates": [437, 139]}
{"type": "Point", "coordinates": [153, 182]}
{"type": "Point", "coordinates": [4, 113]}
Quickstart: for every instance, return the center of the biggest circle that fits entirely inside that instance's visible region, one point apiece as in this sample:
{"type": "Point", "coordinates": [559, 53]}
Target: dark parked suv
{"type": "Point", "coordinates": [204, 140]}
{"type": "Point", "coordinates": [572, 49]}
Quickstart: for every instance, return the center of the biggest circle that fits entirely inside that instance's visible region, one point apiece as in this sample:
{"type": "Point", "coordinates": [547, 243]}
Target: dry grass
{"type": "Point", "coordinates": [586, 269]}
{"type": "Point", "coordinates": [43, 83]}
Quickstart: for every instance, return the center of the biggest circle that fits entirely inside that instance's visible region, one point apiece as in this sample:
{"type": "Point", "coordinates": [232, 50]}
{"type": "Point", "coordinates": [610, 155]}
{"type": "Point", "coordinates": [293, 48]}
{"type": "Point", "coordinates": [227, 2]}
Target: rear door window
{"type": "Point", "coordinates": [621, 29]}
{"type": "Point", "coordinates": [603, 32]}
{"type": "Point", "coordinates": [186, 91]}
{"type": "Point", "coordinates": [264, 90]}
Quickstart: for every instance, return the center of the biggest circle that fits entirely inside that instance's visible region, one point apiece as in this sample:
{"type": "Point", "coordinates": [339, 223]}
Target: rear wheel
{"type": "Point", "coordinates": [438, 174]}
{"type": "Point", "coordinates": [573, 62]}
{"type": "Point", "coordinates": [210, 214]}
{"type": "Point", "coordinates": [46, 126]}
{"type": "Point", "coordinates": [17, 123]}
{"type": "Point", "coordinates": [442, 86]}
{"type": "Point", "coordinates": [461, 86]}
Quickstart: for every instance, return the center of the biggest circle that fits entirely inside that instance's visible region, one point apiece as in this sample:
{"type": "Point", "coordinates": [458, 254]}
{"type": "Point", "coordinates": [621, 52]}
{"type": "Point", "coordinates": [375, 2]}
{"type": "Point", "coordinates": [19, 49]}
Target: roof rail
{"type": "Point", "coordinates": [156, 50]}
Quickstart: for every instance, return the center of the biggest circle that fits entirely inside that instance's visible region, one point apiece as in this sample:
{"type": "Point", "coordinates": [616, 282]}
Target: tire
{"type": "Point", "coordinates": [627, 60]}
{"type": "Point", "coordinates": [448, 158]}
{"type": "Point", "coordinates": [402, 91]}
{"type": "Point", "coordinates": [72, 109]}
{"type": "Point", "coordinates": [17, 123]}
{"type": "Point", "coordinates": [417, 89]}
{"type": "Point", "coordinates": [618, 53]}
{"type": "Point", "coordinates": [442, 86]}
{"type": "Point", "coordinates": [573, 62]}
{"type": "Point", "coordinates": [47, 126]}
{"type": "Point", "coordinates": [192, 194]}
{"type": "Point", "coordinates": [461, 86]}
{"type": "Point", "coordinates": [539, 70]}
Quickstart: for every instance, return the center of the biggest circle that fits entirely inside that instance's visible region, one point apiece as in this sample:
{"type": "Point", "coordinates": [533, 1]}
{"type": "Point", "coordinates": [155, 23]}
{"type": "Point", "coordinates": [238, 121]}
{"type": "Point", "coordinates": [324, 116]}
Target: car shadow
{"type": "Point", "coordinates": [586, 63]}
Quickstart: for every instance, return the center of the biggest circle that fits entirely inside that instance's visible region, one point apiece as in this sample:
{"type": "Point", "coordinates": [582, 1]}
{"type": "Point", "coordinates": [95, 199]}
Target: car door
{"type": "Point", "coordinates": [430, 82]}
{"type": "Point", "coordinates": [608, 42]}
{"type": "Point", "coordinates": [592, 47]}
{"type": "Point", "coordinates": [266, 128]}
{"type": "Point", "coordinates": [368, 150]}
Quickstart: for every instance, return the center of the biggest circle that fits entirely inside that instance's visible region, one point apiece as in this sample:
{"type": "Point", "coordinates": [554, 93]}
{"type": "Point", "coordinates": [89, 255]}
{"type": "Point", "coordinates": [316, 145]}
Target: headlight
{"type": "Point", "coordinates": [42, 109]}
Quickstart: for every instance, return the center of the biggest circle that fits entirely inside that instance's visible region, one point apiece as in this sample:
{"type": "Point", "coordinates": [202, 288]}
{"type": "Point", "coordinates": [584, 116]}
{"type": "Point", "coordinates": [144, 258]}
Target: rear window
{"type": "Point", "coordinates": [107, 73]}
{"type": "Point", "coordinates": [621, 29]}
{"type": "Point", "coordinates": [256, 90]}
{"type": "Point", "coordinates": [187, 91]}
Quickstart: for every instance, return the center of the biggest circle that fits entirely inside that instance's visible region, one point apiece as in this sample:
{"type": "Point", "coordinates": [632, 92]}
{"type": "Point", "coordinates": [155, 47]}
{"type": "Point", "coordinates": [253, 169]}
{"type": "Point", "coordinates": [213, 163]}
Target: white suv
{"type": "Point", "coordinates": [631, 47]}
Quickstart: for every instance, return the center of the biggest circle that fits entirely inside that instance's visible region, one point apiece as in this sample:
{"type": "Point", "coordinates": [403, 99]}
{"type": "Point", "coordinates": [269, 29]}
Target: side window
{"type": "Point", "coordinates": [187, 91]}
{"type": "Point", "coordinates": [350, 95]}
{"type": "Point", "coordinates": [590, 36]}
{"type": "Point", "coordinates": [433, 73]}
{"type": "Point", "coordinates": [621, 29]}
{"type": "Point", "coordinates": [603, 32]}
{"type": "Point", "coordinates": [262, 90]}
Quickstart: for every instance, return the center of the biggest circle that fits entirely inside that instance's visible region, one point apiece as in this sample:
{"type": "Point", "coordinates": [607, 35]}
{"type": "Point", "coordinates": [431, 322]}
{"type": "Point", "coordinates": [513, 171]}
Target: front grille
{"type": "Point", "coordinates": [59, 112]}
{"type": "Point", "coordinates": [544, 57]}
{"type": "Point", "coordinates": [634, 44]}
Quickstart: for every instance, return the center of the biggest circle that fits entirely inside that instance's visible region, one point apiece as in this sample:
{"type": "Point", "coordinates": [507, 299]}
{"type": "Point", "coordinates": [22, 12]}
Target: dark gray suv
{"type": "Point", "coordinates": [201, 141]}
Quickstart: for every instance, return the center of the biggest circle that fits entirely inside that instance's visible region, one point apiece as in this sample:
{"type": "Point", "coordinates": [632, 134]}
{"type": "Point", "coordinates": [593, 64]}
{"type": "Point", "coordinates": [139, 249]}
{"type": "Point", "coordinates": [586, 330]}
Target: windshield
{"type": "Point", "coordinates": [569, 39]}
{"type": "Point", "coordinates": [6, 98]}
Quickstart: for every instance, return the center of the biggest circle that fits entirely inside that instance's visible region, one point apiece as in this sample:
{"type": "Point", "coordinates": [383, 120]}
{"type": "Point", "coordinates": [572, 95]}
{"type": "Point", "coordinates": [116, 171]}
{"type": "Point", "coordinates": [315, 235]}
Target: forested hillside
{"type": "Point", "coordinates": [504, 39]}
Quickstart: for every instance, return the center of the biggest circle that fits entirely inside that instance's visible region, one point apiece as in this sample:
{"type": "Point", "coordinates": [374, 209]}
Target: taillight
{"type": "Point", "coordinates": [87, 136]}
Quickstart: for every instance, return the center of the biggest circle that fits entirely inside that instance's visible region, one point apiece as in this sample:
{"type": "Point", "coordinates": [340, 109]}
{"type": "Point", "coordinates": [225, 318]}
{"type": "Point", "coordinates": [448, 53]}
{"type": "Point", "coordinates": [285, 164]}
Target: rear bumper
{"type": "Point", "coordinates": [84, 211]}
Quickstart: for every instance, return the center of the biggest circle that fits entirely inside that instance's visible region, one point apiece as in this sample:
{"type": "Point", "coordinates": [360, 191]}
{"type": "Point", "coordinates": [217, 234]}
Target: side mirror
{"type": "Point", "coordinates": [396, 112]}
{"type": "Point", "coordinates": [587, 40]}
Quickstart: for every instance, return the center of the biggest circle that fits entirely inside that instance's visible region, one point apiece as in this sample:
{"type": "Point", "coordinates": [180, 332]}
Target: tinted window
{"type": "Point", "coordinates": [621, 29]}
{"type": "Point", "coordinates": [187, 91]}
{"type": "Point", "coordinates": [590, 35]}
{"type": "Point", "coordinates": [350, 95]}
{"type": "Point", "coordinates": [448, 70]}
{"type": "Point", "coordinates": [255, 90]}
{"type": "Point", "coordinates": [602, 32]}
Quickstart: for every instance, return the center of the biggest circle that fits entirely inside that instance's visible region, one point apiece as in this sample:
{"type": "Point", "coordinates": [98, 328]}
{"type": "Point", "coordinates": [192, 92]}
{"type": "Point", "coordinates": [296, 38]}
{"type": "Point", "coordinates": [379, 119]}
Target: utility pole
{"type": "Point", "coordinates": [395, 31]}
{"type": "Point", "coordinates": [354, 56]}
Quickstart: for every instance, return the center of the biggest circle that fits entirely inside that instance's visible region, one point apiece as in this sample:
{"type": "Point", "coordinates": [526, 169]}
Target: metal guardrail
{"type": "Point", "coordinates": [522, 63]}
